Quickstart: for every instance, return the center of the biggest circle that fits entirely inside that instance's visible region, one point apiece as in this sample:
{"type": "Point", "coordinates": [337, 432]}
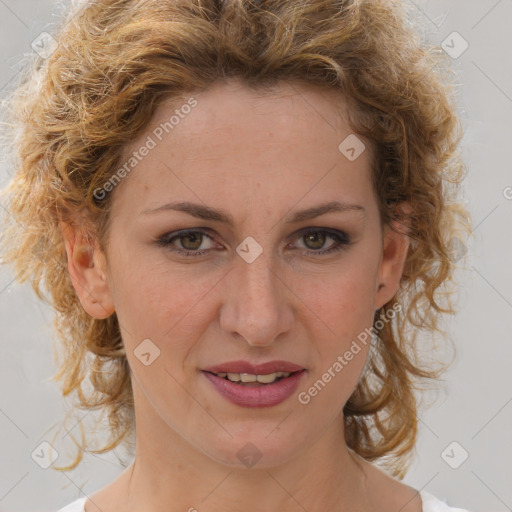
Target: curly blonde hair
{"type": "Point", "coordinates": [117, 60]}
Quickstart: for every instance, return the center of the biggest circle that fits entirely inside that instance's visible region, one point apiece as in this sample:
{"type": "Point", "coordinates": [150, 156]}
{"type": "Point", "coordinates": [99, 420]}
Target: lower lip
{"type": "Point", "coordinates": [265, 395]}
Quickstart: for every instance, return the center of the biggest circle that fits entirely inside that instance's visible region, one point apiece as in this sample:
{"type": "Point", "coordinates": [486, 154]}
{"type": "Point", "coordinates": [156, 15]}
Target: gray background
{"type": "Point", "coordinates": [473, 406]}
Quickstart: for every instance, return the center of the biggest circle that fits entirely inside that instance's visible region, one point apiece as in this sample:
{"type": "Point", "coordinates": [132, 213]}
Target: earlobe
{"type": "Point", "coordinates": [87, 270]}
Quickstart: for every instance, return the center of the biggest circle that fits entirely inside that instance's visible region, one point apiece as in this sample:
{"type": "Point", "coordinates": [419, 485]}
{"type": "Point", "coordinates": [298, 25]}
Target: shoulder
{"type": "Point", "coordinates": [432, 504]}
{"type": "Point", "coordinates": [75, 506]}
{"type": "Point", "coordinates": [392, 494]}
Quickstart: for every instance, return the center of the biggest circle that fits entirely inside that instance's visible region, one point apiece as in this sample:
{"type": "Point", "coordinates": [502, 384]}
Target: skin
{"type": "Point", "coordinates": [259, 157]}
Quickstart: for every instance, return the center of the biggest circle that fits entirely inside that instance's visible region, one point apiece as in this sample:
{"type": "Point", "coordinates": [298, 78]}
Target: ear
{"type": "Point", "coordinates": [395, 247]}
{"type": "Point", "coordinates": [87, 270]}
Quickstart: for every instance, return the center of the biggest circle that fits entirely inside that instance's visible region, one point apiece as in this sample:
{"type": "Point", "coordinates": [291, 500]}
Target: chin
{"type": "Point", "coordinates": [259, 449]}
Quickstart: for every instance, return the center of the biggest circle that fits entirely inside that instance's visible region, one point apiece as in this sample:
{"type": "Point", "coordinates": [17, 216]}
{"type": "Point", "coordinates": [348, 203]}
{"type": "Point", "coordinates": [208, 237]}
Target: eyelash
{"type": "Point", "coordinates": [342, 239]}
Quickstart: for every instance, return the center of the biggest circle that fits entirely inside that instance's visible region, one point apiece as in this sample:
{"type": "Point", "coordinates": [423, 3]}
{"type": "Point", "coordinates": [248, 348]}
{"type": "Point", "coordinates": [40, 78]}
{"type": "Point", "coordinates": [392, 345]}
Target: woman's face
{"type": "Point", "coordinates": [236, 182]}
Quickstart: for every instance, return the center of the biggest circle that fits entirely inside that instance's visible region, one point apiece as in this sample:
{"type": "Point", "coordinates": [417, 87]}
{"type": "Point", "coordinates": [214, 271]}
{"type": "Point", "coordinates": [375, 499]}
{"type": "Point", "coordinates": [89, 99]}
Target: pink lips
{"type": "Point", "coordinates": [265, 395]}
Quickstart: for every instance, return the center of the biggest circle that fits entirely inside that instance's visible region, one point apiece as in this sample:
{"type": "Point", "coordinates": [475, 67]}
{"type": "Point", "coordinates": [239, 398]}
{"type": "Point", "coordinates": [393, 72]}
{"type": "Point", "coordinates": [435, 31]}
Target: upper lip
{"type": "Point", "coordinates": [254, 369]}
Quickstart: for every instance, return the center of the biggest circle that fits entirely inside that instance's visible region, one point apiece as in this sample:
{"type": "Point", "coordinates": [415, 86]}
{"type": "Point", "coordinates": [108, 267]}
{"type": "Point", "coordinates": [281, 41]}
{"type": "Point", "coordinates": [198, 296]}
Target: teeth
{"type": "Point", "coordinates": [267, 379]}
{"type": "Point", "coordinates": [248, 377]}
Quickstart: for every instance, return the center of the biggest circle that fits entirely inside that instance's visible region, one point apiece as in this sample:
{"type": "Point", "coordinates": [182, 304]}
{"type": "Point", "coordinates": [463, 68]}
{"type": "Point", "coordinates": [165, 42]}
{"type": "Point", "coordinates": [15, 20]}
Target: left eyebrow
{"type": "Point", "coordinates": [322, 209]}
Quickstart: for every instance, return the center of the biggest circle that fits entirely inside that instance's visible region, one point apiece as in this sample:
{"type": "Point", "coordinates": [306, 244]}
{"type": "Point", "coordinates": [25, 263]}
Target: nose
{"type": "Point", "coordinates": [257, 303]}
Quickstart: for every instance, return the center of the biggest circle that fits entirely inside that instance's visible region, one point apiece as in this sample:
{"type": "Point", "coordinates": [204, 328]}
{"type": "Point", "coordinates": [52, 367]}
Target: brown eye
{"type": "Point", "coordinates": [315, 240]}
{"type": "Point", "coordinates": [191, 241]}
{"type": "Point", "coordinates": [187, 242]}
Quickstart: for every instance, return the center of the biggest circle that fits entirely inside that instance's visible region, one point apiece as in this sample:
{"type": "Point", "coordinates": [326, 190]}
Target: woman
{"type": "Point", "coordinates": [232, 205]}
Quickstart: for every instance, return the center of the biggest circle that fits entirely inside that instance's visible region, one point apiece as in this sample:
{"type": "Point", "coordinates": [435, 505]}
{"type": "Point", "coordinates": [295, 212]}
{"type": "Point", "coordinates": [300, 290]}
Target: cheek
{"type": "Point", "coordinates": [159, 302]}
{"type": "Point", "coordinates": [342, 300]}
{"type": "Point", "coordinates": [342, 306]}
{"type": "Point", "coordinates": [342, 339]}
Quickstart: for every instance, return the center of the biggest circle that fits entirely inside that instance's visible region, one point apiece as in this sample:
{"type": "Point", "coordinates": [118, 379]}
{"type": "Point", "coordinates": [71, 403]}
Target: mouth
{"type": "Point", "coordinates": [261, 386]}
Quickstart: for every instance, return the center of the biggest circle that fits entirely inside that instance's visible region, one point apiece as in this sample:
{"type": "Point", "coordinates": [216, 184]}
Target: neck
{"type": "Point", "coordinates": [174, 476]}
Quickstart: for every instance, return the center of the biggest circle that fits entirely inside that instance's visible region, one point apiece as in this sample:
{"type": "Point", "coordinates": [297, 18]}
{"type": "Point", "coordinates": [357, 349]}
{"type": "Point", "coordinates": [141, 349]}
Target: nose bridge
{"type": "Point", "coordinates": [259, 280]}
{"type": "Point", "coordinates": [257, 309]}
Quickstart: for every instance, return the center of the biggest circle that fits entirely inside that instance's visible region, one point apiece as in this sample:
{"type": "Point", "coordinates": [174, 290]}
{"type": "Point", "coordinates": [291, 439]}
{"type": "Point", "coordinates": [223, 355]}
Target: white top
{"type": "Point", "coordinates": [430, 504]}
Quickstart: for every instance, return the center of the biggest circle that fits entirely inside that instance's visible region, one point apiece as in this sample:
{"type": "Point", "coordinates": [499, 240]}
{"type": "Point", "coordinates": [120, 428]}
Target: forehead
{"type": "Point", "coordinates": [303, 110]}
{"type": "Point", "coordinates": [263, 145]}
